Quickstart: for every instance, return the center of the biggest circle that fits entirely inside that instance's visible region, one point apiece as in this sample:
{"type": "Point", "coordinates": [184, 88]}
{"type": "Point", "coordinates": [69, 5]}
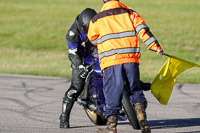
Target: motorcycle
{"type": "Point", "coordinates": [92, 97]}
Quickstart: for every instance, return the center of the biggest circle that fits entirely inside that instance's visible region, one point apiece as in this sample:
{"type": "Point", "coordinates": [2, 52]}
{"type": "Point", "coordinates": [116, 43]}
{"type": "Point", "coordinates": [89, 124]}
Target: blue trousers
{"type": "Point", "coordinates": [113, 83]}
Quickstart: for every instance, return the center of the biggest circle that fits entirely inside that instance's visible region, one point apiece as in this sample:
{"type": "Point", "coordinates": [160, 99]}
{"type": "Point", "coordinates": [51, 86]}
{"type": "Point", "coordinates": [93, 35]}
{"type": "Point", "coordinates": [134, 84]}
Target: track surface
{"type": "Point", "coordinates": [30, 104]}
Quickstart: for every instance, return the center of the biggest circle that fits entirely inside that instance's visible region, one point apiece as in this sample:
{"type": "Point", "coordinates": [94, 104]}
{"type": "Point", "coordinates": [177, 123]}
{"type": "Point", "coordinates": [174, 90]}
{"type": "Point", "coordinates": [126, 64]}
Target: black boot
{"type": "Point", "coordinates": [66, 110]}
{"type": "Point", "coordinates": [142, 118]}
{"type": "Point", "coordinates": [111, 124]}
{"type": "Point", "coordinates": [145, 86]}
{"type": "Point", "coordinates": [64, 121]}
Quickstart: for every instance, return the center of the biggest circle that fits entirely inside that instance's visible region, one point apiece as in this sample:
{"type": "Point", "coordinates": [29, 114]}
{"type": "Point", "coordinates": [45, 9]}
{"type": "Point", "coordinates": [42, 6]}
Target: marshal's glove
{"type": "Point", "coordinates": [83, 71]}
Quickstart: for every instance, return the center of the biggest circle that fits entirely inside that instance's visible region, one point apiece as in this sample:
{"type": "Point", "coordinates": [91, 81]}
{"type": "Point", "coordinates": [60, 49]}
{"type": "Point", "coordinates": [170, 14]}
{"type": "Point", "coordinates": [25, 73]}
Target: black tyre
{"type": "Point", "coordinates": [95, 118]}
{"type": "Point", "coordinates": [130, 111]}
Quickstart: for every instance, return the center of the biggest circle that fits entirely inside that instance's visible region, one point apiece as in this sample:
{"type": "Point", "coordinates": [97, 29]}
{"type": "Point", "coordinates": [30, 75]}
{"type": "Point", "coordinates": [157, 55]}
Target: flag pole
{"type": "Point", "coordinates": [171, 56]}
{"type": "Point", "coordinates": [156, 51]}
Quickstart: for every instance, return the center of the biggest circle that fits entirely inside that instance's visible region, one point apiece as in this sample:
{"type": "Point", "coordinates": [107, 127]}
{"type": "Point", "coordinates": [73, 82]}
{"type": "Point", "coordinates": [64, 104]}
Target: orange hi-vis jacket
{"type": "Point", "coordinates": [114, 31]}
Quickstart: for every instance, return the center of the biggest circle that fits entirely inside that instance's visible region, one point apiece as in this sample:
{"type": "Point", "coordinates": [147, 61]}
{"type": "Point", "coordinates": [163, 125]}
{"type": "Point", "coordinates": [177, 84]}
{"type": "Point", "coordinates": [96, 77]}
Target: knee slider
{"type": "Point", "coordinates": [71, 94]}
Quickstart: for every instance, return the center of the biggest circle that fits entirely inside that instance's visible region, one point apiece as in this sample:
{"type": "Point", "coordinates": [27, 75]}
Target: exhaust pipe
{"type": "Point", "coordinates": [86, 104]}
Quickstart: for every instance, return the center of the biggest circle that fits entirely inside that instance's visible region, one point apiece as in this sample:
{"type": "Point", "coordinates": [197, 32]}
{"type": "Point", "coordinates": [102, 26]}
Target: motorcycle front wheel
{"type": "Point", "coordinates": [130, 111]}
{"type": "Point", "coordinates": [95, 118]}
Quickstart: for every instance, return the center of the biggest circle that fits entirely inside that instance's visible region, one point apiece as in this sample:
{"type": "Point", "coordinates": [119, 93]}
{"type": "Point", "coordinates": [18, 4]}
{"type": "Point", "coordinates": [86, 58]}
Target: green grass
{"type": "Point", "coordinates": [32, 35]}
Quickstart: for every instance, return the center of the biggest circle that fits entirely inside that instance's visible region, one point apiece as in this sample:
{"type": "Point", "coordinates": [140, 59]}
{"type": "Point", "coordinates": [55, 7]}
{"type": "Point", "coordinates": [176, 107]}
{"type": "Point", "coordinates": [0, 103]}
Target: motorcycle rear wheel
{"type": "Point", "coordinates": [95, 118]}
{"type": "Point", "coordinates": [130, 111]}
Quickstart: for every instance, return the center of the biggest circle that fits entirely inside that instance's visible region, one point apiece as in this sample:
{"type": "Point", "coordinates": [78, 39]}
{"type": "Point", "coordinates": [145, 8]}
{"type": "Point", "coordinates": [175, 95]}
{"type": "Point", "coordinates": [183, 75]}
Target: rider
{"type": "Point", "coordinates": [79, 48]}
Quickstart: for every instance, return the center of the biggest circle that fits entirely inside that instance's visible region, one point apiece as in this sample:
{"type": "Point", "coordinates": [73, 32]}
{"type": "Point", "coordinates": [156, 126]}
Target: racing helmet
{"type": "Point", "coordinates": [84, 19]}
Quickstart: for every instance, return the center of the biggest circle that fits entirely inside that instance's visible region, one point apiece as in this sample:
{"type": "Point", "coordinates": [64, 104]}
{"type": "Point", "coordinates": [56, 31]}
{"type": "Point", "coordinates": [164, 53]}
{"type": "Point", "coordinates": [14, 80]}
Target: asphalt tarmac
{"type": "Point", "coordinates": [31, 104]}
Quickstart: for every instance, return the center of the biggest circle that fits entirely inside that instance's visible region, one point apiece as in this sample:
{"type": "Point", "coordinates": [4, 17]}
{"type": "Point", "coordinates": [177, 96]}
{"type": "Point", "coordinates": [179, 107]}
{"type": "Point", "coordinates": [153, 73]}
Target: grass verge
{"type": "Point", "coordinates": [32, 35]}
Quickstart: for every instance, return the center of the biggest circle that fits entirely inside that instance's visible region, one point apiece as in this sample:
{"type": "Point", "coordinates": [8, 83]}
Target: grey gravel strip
{"type": "Point", "coordinates": [29, 76]}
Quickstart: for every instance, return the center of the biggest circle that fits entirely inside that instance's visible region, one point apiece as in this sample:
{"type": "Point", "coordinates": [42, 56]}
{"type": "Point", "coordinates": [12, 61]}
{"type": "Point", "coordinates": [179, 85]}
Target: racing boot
{"type": "Point", "coordinates": [111, 124]}
{"type": "Point", "coordinates": [66, 109]}
{"type": "Point", "coordinates": [141, 116]}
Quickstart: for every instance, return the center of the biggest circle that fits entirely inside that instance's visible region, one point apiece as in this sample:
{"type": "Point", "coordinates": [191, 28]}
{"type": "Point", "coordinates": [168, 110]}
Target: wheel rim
{"type": "Point", "coordinates": [92, 114]}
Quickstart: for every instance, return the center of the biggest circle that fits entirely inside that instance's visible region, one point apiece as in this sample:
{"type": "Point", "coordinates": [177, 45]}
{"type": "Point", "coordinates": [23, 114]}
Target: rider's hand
{"type": "Point", "coordinates": [83, 71]}
{"type": "Point", "coordinates": [160, 52]}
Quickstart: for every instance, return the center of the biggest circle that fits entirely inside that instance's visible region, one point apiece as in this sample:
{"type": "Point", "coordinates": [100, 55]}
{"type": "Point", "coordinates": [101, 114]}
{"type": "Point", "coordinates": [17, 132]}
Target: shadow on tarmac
{"type": "Point", "coordinates": [172, 123]}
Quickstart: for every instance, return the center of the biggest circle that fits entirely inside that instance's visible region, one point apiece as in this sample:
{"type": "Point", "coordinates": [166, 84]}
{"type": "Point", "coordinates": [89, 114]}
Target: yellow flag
{"type": "Point", "coordinates": [163, 83]}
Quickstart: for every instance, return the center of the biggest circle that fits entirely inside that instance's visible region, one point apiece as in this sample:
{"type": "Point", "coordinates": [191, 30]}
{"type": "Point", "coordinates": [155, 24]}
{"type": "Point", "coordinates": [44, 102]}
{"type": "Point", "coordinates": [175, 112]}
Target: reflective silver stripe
{"type": "Point", "coordinates": [73, 51]}
{"type": "Point", "coordinates": [150, 41]}
{"type": "Point", "coordinates": [119, 51]}
{"type": "Point", "coordinates": [114, 36]}
{"type": "Point", "coordinates": [94, 41]}
{"type": "Point", "coordinates": [141, 26]}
